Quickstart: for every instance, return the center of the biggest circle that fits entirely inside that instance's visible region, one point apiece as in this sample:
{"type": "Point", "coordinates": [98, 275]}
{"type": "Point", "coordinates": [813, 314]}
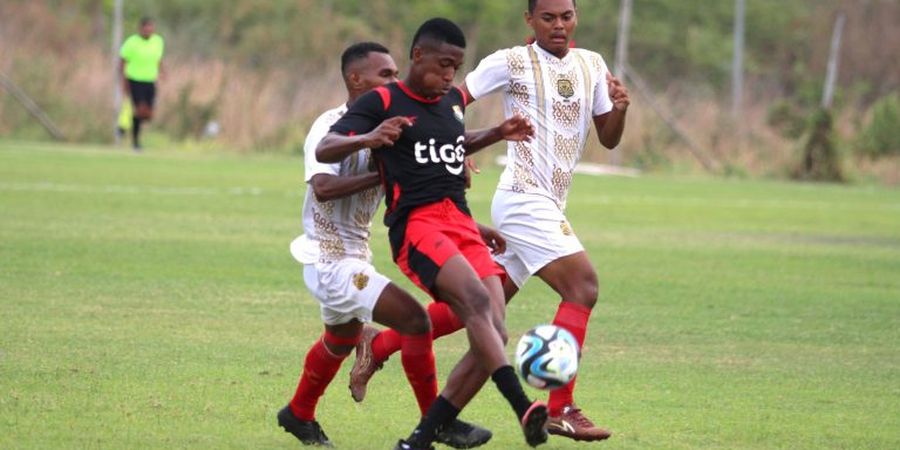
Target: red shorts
{"type": "Point", "coordinates": [433, 234]}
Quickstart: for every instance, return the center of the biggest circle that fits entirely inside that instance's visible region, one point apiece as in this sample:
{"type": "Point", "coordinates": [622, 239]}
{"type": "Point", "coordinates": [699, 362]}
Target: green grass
{"type": "Point", "coordinates": [149, 301]}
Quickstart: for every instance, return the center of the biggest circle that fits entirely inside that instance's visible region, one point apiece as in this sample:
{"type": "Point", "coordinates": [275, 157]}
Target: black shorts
{"type": "Point", "coordinates": [142, 92]}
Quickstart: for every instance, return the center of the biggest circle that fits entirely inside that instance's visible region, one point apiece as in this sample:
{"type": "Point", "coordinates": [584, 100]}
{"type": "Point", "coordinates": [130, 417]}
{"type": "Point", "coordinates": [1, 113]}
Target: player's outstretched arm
{"type": "Point", "coordinates": [611, 125]}
{"type": "Point", "coordinates": [335, 146]}
{"type": "Point", "coordinates": [516, 128]}
{"type": "Point", "coordinates": [331, 187]}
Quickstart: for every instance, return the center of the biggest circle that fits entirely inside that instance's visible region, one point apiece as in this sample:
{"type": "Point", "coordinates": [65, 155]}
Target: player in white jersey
{"type": "Point", "coordinates": [562, 91]}
{"type": "Point", "coordinates": [337, 214]}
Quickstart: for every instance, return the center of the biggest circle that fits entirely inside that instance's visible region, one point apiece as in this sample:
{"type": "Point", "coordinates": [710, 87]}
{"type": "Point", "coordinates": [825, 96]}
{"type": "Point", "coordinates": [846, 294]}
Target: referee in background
{"type": "Point", "coordinates": [140, 66]}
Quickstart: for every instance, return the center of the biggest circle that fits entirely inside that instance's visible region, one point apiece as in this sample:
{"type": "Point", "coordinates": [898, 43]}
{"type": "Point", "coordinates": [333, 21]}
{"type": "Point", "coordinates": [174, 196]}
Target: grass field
{"type": "Point", "coordinates": [149, 301]}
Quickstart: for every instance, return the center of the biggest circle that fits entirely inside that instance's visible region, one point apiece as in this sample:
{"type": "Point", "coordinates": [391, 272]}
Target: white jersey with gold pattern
{"type": "Point", "coordinates": [340, 228]}
{"type": "Point", "coordinates": [560, 96]}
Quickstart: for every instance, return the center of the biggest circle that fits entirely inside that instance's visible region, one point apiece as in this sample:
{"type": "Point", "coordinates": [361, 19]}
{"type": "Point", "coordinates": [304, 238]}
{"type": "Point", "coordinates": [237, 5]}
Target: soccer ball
{"type": "Point", "coordinates": [547, 357]}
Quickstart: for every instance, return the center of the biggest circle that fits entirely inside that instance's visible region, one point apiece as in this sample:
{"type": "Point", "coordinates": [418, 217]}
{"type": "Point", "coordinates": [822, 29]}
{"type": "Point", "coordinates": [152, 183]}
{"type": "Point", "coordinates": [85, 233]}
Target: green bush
{"type": "Point", "coordinates": [881, 137]}
{"type": "Point", "coordinates": [787, 118]}
{"type": "Point", "coordinates": [820, 159]}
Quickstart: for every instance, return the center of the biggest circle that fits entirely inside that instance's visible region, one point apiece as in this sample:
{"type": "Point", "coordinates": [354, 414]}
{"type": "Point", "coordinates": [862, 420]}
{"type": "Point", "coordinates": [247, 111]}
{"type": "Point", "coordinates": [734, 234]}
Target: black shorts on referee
{"type": "Point", "coordinates": [142, 92]}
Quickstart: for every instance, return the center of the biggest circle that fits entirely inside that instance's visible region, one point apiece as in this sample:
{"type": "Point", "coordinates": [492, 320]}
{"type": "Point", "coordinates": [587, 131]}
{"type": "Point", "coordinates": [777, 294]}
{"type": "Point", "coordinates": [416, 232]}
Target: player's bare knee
{"type": "Point", "coordinates": [586, 291]}
{"type": "Point", "coordinates": [588, 296]}
{"type": "Point", "coordinates": [417, 324]}
{"type": "Point", "coordinates": [591, 293]}
{"type": "Point", "coordinates": [480, 301]}
{"type": "Point", "coordinates": [475, 302]}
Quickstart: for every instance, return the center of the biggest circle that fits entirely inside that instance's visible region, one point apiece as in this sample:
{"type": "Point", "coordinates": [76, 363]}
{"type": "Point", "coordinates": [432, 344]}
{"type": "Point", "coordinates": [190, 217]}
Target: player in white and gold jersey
{"type": "Point", "coordinates": [562, 91]}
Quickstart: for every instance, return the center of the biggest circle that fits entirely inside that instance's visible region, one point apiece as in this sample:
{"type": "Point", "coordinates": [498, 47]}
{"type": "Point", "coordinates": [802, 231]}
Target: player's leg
{"type": "Point", "coordinates": [147, 110]}
{"type": "Point", "coordinates": [398, 309]}
{"type": "Point", "coordinates": [466, 379]}
{"type": "Point", "coordinates": [459, 284]}
{"type": "Point", "coordinates": [540, 241]}
{"type": "Point", "coordinates": [137, 100]}
{"type": "Point", "coordinates": [408, 319]}
{"type": "Point", "coordinates": [444, 321]}
{"type": "Point", "coordinates": [468, 376]}
{"type": "Point", "coordinates": [346, 298]}
{"type": "Point", "coordinates": [377, 346]}
{"type": "Point", "coordinates": [573, 277]}
{"type": "Point", "coordinates": [382, 344]}
{"type": "Point", "coordinates": [140, 114]}
{"type": "Point", "coordinates": [143, 96]}
{"type": "Point", "coordinates": [321, 364]}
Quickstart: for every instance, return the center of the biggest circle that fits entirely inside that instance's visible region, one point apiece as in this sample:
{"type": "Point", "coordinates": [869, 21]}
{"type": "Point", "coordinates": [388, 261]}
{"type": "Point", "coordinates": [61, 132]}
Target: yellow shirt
{"type": "Point", "coordinates": [142, 57]}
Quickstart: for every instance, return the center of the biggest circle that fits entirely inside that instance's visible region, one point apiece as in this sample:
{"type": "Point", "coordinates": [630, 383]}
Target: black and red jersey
{"type": "Point", "coordinates": [426, 164]}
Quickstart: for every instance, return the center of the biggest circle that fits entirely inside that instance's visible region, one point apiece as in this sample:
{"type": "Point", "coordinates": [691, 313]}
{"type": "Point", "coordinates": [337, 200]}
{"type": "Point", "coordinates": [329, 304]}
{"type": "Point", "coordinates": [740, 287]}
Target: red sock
{"type": "Point", "coordinates": [418, 363]}
{"type": "Point", "coordinates": [443, 322]}
{"type": "Point", "coordinates": [318, 370]}
{"type": "Point", "coordinates": [574, 318]}
{"type": "Point", "coordinates": [385, 344]}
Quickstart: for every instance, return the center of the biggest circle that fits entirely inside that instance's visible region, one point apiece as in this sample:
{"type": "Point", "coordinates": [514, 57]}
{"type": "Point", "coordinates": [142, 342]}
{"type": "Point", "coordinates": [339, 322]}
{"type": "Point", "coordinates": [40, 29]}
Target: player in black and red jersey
{"type": "Point", "coordinates": [416, 130]}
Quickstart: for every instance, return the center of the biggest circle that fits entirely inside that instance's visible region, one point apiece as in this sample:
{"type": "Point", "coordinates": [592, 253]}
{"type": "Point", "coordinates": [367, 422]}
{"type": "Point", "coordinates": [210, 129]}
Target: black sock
{"type": "Point", "coordinates": [440, 413]}
{"type": "Point", "coordinates": [508, 383]}
{"type": "Point", "coordinates": [135, 131]}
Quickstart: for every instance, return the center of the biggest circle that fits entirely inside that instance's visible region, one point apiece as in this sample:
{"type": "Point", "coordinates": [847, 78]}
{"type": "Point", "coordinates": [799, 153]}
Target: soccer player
{"type": "Point", "coordinates": [416, 130]}
{"type": "Point", "coordinates": [341, 199]}
{"type": "Point", "coordinates": [140, 66]}
{"type": "Point", "coordinates": [562, 90]}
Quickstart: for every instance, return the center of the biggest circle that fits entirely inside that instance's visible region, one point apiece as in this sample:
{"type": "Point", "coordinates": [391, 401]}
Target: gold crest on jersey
{"type": "Point", "coordinates": [360, 280]}
{"type": "Point", "coordinates": [458, 113]}
{"type": "Point", "coordinates": [565, 228]}
{"type": "Point", "coordinates": [565, 87]}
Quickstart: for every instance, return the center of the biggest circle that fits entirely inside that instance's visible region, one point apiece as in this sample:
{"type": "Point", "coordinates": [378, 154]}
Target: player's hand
{"type": "Point", "coordinates": [385, 134]}
{"type": "Point", "coordinates": [517, 128]}
{"type": "Point", "coordinates": [617, 93]}
{"type": "Point", "coordinates": [493, 239]}
{"type": "Point", "coordinates": [471, 168]}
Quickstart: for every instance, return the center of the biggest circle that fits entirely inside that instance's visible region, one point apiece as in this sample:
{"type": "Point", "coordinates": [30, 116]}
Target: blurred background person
{"type": "Point", "coordinates": [141, 66]}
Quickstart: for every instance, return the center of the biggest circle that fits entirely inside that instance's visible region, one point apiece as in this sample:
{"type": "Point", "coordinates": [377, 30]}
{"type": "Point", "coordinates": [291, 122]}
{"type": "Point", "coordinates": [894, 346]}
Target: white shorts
{"type": "Point", "coordinates": [347, 289]}
{"type": "Point", "coordinates": [536, 232]}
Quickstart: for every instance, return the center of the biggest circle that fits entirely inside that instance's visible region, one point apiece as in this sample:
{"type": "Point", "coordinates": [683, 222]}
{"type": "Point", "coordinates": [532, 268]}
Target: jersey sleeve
{"type": "Point", "coordinates": [366, 113]}
{"type": "Point", "coordinates": [491, 74]}
{"type": "Point", "coordinates": [126, 50]}
{"type": "Point", "coordinates": [602, 103]}
{"type": "Point", "coordinates": [311, 165]}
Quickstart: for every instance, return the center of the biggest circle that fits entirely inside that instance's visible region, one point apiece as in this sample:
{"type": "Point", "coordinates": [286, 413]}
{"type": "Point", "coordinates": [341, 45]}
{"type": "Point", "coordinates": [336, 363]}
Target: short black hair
{"type": "Point", "coordinates": [146, 20]}
{"type": "Point", "coordinates": [533, 4]}
{"type": "Point", "coordinates": [439, 30]}
{"type": "Point", "coordinates": [360, 51]}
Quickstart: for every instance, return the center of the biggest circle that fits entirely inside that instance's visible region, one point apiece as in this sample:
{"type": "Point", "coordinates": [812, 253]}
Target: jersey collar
{"type": "Point", "coordinates": [406, 90]}
{"type": "Point", "coordinates": [551, 56]}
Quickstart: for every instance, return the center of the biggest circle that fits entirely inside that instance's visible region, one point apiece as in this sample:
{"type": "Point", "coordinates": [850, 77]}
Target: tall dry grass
{"type": "Point", "coordinates": [65, 67]}
{"type": "Point", "coordinates": [72, 78]}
